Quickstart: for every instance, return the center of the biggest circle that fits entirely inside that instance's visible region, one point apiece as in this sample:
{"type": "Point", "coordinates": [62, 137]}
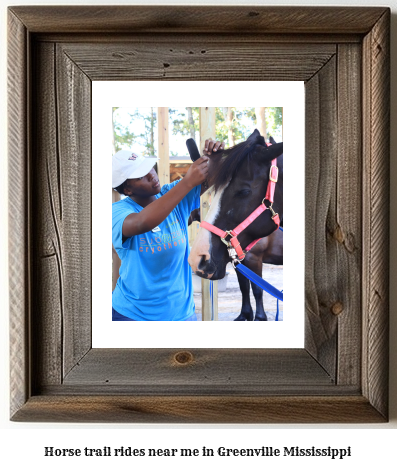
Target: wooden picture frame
{"type": "Point", "coordinates": [342, 54]}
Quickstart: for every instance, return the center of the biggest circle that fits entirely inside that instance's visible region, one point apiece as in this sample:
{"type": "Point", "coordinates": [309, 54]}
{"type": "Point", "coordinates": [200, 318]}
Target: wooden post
{"type": "Point", "coordinates": [163, 165]}
{"type": "Point", "coordinates": [260, 112]}
{"type": "Point", "coordinates": [209, 289]}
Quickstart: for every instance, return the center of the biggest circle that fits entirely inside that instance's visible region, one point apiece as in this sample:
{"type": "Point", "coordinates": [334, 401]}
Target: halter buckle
{"type": "Point", "coordinates": [273, 179]}
{"type": "Point", "coordinates": [226, 242]}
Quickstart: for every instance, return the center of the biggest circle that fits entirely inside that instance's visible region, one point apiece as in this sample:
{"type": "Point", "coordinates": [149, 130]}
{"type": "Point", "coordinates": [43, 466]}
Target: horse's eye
{"type": "Point", "coordinates": [243, 193]}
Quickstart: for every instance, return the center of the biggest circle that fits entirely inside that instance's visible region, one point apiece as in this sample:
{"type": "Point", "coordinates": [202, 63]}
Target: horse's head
{"type": "Point", "coordinates": [239, 178]}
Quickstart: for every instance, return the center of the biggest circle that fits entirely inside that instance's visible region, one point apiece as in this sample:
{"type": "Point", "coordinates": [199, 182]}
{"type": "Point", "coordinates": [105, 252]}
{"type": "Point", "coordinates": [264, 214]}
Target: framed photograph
{"type": "Point", "coordinates": [340, 374]}
{"type": "Point", "coordinates": [127, 106]}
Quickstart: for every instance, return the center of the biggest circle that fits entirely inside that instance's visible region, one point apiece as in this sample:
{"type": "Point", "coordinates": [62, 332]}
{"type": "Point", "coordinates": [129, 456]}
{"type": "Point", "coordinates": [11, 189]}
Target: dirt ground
{"type": "Point", "coordinates": [229, 301]}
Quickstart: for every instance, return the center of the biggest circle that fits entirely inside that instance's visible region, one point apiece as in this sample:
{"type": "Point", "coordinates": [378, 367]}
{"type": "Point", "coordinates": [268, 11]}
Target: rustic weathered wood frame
{"type": "Point", "coordinates": [343, 56]}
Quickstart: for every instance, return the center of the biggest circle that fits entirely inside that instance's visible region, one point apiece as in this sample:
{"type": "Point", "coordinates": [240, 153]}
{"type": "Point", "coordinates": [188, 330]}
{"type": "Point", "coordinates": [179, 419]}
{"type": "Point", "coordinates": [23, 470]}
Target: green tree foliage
{"type": "Point", "coordinates": [244, 122]}
{"type": "Point", "coordinates": [185, 121]}
{"type": "Point", "coordinates": [229, 125]}
{"type": "Point", "coordinates": [274, 120]}
{"type": "Point", "coordinates": [148, 136]}
{"type": "Point", "coordinates": [233, 125]}
{"type": "Point", "coordinates": [125, 131]}
{"type": "Point", "coordinates": [241, 126]}
{"type": "Point", "coordinates": [122, 135]}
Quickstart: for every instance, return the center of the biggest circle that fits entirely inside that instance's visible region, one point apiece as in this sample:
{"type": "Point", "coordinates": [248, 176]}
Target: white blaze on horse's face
{"type": "Point", "coordinates": [202, 244]}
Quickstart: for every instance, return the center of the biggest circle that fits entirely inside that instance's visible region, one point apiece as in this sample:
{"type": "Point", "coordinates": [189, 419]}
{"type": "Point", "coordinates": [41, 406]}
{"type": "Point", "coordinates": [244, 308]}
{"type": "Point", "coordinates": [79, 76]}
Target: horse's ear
{"type": "Point", "coordinates": [269, 153]}
{"type": "Point", "coordinates": [272, 141]}
{"type": "Point", "coordinates": [256, 138]}
{"type": "Point", "coordinates": [273, 151]}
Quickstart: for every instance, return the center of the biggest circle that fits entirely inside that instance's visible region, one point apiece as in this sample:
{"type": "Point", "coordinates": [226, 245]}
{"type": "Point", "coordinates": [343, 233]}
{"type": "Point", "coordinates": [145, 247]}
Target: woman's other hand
{"type": "Point", "coordinates": [213, 146]}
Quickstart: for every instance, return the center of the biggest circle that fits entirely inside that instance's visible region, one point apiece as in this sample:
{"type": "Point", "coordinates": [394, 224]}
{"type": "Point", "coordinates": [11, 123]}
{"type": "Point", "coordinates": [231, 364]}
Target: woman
{"type": "Point", "coordinates": [150, 236]}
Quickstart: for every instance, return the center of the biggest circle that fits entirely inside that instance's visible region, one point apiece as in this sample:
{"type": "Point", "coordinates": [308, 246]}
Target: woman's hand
{"type": "Point", "coordinates": [213, 146]}
{"type": "Point", "coordinates": [197, 172]}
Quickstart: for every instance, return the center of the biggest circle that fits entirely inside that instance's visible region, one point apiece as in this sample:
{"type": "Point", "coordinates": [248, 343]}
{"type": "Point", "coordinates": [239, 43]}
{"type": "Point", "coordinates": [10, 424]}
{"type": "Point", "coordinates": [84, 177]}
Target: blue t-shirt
{"type": "Point", "coordinates": [155, 282]}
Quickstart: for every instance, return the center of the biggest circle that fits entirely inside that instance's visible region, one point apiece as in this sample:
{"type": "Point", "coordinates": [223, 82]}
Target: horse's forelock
{"type": "Point", "coordinates": [231, 160]}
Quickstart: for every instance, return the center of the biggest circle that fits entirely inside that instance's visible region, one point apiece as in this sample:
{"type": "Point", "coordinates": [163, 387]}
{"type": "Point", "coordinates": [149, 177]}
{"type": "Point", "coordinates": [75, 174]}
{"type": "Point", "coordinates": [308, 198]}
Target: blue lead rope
{"type": "Point", "coordinates": [259, 281]}
{"type": "Point", "coordinates": [277, 311]}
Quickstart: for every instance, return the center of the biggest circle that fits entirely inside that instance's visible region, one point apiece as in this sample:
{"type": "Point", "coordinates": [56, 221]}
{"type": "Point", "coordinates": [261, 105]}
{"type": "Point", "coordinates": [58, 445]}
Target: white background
{"type": "Point", "coordinates": [290, 332]}
{"type": "Point", "coordinates": [373, 445]}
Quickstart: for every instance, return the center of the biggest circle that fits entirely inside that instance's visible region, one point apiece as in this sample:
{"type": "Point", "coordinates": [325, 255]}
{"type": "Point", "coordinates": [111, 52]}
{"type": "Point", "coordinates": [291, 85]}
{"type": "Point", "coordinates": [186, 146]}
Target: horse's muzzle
{"type": "Point", "coordinates": [209, 270]}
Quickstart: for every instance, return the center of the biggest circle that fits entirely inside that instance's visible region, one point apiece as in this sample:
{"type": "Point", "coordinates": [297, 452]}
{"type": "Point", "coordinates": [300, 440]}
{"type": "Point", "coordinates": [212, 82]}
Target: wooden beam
{"type": "Point", "coordinates": [163, 165]}
{"type": "Point", "coordinates": [209, 289]}
{"type": "Point", "coordinates": [180, 161]}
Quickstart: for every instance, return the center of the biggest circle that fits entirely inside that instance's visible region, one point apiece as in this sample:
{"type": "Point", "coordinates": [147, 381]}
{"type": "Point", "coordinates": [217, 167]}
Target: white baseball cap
{"type": "Point", "coordinates": [127, 165]}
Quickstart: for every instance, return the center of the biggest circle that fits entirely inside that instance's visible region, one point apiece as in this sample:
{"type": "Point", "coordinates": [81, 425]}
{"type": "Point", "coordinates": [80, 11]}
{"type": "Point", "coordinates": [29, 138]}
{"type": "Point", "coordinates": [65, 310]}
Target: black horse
{"type": "Point", "coordinates": [240, 177]}
{"type": "Point", "coordinates": [267, 250]}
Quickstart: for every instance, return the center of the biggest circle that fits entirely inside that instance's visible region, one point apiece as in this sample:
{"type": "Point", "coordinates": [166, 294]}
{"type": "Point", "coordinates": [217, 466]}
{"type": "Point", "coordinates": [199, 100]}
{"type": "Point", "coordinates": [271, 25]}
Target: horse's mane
{"type": "Point", "coordinates": [232, 158]}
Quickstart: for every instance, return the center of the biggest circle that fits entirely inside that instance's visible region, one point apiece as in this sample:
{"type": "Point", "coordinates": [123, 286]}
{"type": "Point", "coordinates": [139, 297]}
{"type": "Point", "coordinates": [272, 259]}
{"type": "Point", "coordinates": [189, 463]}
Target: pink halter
{"type": "Point", "coordinates": [234, 246]}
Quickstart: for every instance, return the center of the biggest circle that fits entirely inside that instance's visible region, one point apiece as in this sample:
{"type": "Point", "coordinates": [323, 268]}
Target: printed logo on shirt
{"type": "Point", "coordinates": [133, 157]}
{"type": "Point", "coordinates": [160, 242]}
{"type": "Point", "coordinates": [172, 223]}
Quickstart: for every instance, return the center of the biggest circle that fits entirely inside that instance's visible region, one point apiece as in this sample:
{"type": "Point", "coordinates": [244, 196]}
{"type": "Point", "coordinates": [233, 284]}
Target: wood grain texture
{"type": "Point", "coordinates": [212, 369]}
{"type": "Point", "coordinates": [376, 149]}
{"type": "Point", "coordinates": [47, 203]}
{"type": "Point", "coordinates": [198, 19]}
{"type": "Point", "coordinates": [204, 38]}
{"type": "Point", "coordinates": [73, 90]}
{"type": "Point", "coordinates": [334, 216]}
{"type": "Point", "coordinates": [341, 375]}
{"type": "Point", "coordinates": [198, 409]}
{"type": "Point", "coordinates": [223, 58]}
{"type": "Point", "coordinates": [19, 256]}
{"type": "Point", "coordinates": [62, 202]}
{"type": "Point", "coordinates": [346, 228]}
{"type": "Point", "coordinates": [321, 266]}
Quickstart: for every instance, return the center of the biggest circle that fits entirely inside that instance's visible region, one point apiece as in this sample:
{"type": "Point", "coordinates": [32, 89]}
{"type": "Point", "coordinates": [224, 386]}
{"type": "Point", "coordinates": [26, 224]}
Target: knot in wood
{"type": "Point", "coordinates": [337, 308]}
{"type": "Point", "coordinates": [338, 235]}
{"type": "Point", "coordinates": [183, 358]}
